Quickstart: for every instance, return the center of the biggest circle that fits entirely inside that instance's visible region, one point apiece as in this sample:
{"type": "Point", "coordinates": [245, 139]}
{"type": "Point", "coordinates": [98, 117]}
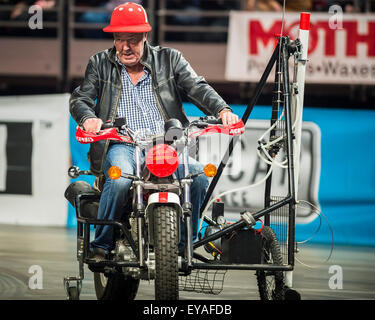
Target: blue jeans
{"type": "Point", "coordinates": [115, 191]}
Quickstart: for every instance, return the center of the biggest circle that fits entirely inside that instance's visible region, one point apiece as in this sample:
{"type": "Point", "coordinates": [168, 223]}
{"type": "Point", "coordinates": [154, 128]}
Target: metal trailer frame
{"type": "Point", "coordinates": [284, 49]}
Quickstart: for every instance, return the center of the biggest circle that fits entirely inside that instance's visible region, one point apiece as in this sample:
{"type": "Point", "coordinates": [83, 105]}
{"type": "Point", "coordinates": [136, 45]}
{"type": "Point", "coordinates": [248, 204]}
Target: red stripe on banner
{"type": "Point", "coordinates": [305, 21]}
{"type": "Point", "coordinates": [163, 197]}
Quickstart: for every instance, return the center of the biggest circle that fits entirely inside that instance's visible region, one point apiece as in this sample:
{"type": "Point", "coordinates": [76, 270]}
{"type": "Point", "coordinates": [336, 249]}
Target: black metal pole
{"type": "Point", "coordinates": [261, 83]}
{"type": "Point", "coordinates": [276, 101]}
{"type": "Point", "coordinates": [245, 117]}
{"type": "Point", "coordinates": [288, 119]}
{"type": "Point", "coordinates": [233, 266]}
{"type": "Point", "coordinates": [289, 150]}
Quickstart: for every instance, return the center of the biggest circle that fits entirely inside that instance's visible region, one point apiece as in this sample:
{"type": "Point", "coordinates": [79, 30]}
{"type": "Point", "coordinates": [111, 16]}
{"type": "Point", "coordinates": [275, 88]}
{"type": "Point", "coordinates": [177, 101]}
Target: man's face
{"type": "Point", "coordinates": [129, 47]}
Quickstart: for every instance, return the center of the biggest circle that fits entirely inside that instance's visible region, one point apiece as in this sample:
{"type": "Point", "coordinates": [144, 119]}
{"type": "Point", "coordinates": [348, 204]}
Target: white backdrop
{"type": "Point", "coordinates": [48, 116]}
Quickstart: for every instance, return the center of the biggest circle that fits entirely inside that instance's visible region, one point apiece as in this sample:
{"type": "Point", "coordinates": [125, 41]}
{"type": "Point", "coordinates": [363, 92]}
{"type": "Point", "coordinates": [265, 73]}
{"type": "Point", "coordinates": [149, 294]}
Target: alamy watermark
{"type": "Point", "coordinates": [36, 280]}
{"type": "Point", "coordinates": [36, 20]}
{"type": "Point", "coordinates": [336, 18]}
{"type": "Point", "coordinates": [335, 282]}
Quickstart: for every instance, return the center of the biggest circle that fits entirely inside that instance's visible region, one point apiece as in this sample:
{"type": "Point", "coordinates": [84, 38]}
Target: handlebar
{"type": "Point", "coordinates": [204, 122]}
{"type": "Point", "coordinates": [118, 123]}
{"type": "Point", "coordinates": [110, 130]}
{"type": "Point", "coordinates": [214, 125]}
{"type": "Point", "coordinates": [106, 125]}
{"type": "Point", "coordinates": [212, 120]}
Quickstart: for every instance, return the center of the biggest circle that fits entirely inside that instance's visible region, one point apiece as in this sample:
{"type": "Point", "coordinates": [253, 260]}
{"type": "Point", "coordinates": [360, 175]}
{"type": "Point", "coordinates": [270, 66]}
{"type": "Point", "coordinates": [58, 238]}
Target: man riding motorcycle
{"type": "Point", "coordinates": [145, 85]}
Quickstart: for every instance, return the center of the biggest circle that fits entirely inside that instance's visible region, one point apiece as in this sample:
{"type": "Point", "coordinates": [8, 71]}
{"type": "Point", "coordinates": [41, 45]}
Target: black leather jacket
{"type": "Point", "coordinates": [173, 80]}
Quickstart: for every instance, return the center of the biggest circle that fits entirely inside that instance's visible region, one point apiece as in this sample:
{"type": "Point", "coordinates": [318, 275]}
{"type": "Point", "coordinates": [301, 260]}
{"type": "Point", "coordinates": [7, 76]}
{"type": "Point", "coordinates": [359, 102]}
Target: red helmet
{"type": "Point", "coordinates": [128, 17]}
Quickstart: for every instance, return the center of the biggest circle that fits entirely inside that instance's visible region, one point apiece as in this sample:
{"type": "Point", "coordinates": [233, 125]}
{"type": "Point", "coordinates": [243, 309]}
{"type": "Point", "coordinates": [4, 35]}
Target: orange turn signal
{"type": "Point", "coordinates": [210, 170]}
{"type": "Point", "coordinates": [114, 172]}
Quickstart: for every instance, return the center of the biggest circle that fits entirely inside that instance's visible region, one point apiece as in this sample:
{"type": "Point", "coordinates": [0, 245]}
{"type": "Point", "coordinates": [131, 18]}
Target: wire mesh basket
{"type": "Point", "coordinates": [203, 281]}
{"type": "Point", "coordinates": [280, 224]}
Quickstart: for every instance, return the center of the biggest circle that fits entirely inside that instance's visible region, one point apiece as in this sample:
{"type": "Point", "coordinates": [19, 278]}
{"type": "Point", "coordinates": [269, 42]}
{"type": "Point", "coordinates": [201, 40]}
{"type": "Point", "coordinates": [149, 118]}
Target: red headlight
{"type": "Point", "coordinates": [162, 160]}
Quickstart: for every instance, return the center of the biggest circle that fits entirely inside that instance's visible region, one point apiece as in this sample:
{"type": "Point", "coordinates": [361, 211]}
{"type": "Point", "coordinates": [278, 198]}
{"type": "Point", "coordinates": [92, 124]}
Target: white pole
{"type": "Point", "coordinates": [298, 97]}
{"type": "Point", "coordinates": [297, 108]}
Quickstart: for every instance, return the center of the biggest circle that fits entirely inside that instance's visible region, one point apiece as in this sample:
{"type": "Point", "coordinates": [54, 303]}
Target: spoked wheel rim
{"type": "Point", "coordinates": [270, 283]}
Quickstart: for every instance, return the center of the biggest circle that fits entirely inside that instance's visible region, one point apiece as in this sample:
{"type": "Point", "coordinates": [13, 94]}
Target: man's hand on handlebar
{"type": "Point", "coordinates": [227, 117]}
{"type": "Point", "coordinates": [92, 125]}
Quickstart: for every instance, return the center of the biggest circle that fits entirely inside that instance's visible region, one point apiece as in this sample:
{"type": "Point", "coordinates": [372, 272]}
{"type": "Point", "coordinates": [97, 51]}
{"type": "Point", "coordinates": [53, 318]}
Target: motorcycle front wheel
{"type": "Point", "coordinates": [166, 253]}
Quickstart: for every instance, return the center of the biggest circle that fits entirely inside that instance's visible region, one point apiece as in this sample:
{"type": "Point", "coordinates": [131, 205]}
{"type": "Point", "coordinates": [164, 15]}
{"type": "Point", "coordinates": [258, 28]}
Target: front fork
{"type": "Point", "coordinates": [187, 209]}
{"type": "Point", "coordinates": [139, 207]}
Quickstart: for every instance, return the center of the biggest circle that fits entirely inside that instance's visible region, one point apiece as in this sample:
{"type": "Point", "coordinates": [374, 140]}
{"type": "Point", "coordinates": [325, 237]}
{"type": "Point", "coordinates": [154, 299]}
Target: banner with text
{"type": "Point", "coordinates": [341, 46]}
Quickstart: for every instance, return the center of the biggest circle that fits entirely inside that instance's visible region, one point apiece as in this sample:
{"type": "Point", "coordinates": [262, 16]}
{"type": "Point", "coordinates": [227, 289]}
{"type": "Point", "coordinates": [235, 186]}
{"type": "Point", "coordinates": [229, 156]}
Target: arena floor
{"type": "Point", "coordinates": [53, 250]}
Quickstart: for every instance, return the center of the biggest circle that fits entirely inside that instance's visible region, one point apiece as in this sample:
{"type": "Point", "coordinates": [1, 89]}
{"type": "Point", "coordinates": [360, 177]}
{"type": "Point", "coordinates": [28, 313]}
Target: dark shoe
{"type": "Point", "coordinates": [97, 254]}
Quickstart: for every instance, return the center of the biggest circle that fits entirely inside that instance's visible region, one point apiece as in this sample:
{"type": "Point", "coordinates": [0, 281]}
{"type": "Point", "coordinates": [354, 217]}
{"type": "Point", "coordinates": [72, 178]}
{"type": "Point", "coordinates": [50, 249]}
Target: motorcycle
{"type": "Point", "coordinates": [148, 235]}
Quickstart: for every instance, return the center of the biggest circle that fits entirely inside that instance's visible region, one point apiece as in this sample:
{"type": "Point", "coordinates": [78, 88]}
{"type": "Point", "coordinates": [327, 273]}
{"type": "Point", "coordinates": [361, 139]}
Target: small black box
{"type": "Point", "coordinates": [217, 210]}
{"type": "Point", "coordinates": [242, 247]}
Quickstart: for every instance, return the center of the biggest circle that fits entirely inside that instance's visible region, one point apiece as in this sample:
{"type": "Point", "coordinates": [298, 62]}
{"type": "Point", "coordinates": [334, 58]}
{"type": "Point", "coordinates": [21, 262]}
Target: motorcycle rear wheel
{"type": "Point", "coordinates": [166, 253]}
{"type": "Point", "coordinates": [271, 284]}
{"type": "Point", "coordinates": [115, 287]}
